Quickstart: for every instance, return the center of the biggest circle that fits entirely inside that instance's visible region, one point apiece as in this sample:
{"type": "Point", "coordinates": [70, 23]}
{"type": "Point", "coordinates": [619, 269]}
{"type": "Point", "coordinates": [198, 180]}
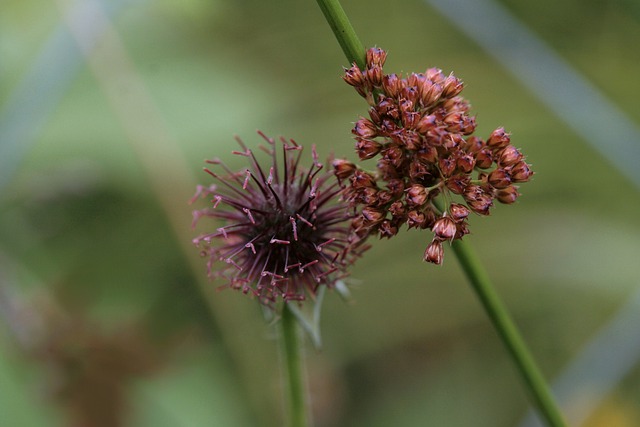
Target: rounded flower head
{"type": "Point", "coordinates": [420, 130]}
{"type": "Point", "coordinates": [286, 231]}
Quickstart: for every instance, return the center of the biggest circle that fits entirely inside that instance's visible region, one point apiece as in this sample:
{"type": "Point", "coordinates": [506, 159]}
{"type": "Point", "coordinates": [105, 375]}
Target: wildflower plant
{"type": "Point", "coordinates": [285, 230]}
{"type": "Point", "coordinates": [420, 130]}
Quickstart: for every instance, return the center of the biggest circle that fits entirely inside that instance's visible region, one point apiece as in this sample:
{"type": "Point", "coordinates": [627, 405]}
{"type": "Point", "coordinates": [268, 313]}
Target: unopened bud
{"type": "Point", "coordinates": [353, 76]}
{"type": "Point", "coordinates": [508, 195]}
{"type": "Point", "coordinates": [458, 183]}
{"type": "Point", "coordinates": [361, 179]}
{"type": "Point", "coordinates": [458, 212]}
{"type": "Point", "coordinates": [452, 86]}
{"type": "Point", "coordinates": [434, 252]}
{"type": "Point", "coordinates": [387, 229]}
{"type": "Point", "coordinates": [426, 123]}
{"type": "Point", "coordinates": [391, 85]}
{"type": "Point", "coordinates": [364, 128]}
{"type": "Point", "coordinates": [372, 216]}
{"type": "Point", "coordinates": [499, 139]}
{"type": "Point", "coordinates": [376, 56]}
{"type": "Point", "coordinates": [343, 168]}
{"type": "Point", "coordinates": [445, 228]}
{"type": "Point", "coordinates": [499, 178]}
{"type": "Point", "coordinates": [367, 149]}
{"type": "Point", "coordinates": [509, 156]}
{"type": "Point", "coordinates": [484, 158]}
{"type": "Point", "coordinates": [416, 219]}
{"type": "Point", "coordinates": [374, 74]}
{"type": "Point", "coordinates": [417, 195]}
{"type": "Point", "coordinates": [521, 172]}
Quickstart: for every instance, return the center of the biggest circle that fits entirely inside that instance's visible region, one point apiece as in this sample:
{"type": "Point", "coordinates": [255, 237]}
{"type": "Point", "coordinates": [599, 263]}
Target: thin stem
{"type": "Point", "coordinates": [538, 389]}
{"type": "Point", "coordinates": [534, 381]}
{"type": "Point", "coordinates": [344, 32]}
{"type": "Point", "coordinates": [293, 369]}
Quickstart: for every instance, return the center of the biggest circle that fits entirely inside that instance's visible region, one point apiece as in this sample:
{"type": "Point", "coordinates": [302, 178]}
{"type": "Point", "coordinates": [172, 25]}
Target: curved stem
{"type": "Point", "coordinates": [536, 385]}
{"type": "Point", "coordinates": [534, 381]}
{"type": "Point", "coordinates": [293, 365]}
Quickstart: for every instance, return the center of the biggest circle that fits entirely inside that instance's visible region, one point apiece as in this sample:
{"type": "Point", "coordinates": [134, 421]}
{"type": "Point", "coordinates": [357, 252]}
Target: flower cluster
{"type": "Point", "coordinates": [422, 132]}
{"type": "Point", "coordinates": [286, 229]}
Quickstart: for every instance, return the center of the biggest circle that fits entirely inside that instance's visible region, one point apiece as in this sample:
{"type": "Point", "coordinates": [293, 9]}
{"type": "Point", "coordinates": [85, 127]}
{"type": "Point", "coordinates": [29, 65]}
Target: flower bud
{"type": "Point", "coordinates": [367, 149]}
{"type": "Point", "coordinates": [458, 183]}
{"type": "Point", "coordinates": [466, 163]}
{"type": "Point", "coordinates": [509, 156]}
{"type": "Point", "coordinates": [445, 228]}
{"type": "Point", "coordinates": [364, 128]}
{"type": "Point", "coordinates": [484, 158]}
{"type": "Point", "coordinates": [499, 178]}
{"type": "Point", "coordinates": [387, 229]}
{"type": "Point", "coordinates": [376, 56]}
{"type": "Point", "coordinates": [416, 219]}
{"type": "Point", "coordinates": [391, 85]}
{"type": "Point", "coordinates": [417, 195]}
{"type": "Point", "coordinates": [498, 139]}
{"type": "Point", "coordinates": [434, 252]}
{"type": "Point", "coordinates": [508, 195]}
{"type": "Point", "coordinates": [447, 166]}
{"type": "Point", "coordinates": [458, 212]}
{"type": "Point", "coordinates": [521, 172]}
{"type": "Point", "coordinates": [452, 86]}
{"type": "Point", "coordinates": [435, 75]}
{"type": "Point", "coordinates": [353, 76]}
{"type": "Point", "coordinates": [429, 93]}
{"type": "Point", "coordinates": [426, 123]}
{"type": "Point", "coordinates": [373, 75]}
{"type": "Point", "coordinates": [372, 216]}
{"type": "Point", "coordinates": [362, 179]}
{"type": "Point", "coordinates": [397, 209]}
{"type": "Point", "coordinates": [343, 168]}
{"type": "Point", "coordinates": [396, 187]}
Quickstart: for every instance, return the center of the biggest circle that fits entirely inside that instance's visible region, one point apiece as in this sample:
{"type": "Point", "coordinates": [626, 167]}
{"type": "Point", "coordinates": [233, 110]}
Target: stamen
{"type": "Point", "coordinates": [248, 212]}
{"type": "Point", "coordinates": [295, 228]}
{"type": "Point", "coordinates": [305, 221]}
{"type": "Point", "coordinates": [315, 261]}
{"type": "Point", "coordinates": [232, 262]}
{"type": "Point", "coordinates": [270, 178]}
{"type": "Point", "coordinates": [217, 199]}
{"type": "Point", "coordinates": [319, 247]}
{"type": "Point", "coordinates": [282, 242]}
{"type": "Point", "coordinates": [250, 245]}
{"type": "Point", "coordinates": [246, 179]}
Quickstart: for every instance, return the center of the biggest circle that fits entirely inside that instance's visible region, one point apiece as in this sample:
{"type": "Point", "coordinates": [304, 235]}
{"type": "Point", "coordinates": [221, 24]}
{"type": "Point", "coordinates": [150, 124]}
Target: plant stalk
{"type": "Point", "coordinates": [534, 382]}
{"type": "Point", "coordinates": [294, 370]}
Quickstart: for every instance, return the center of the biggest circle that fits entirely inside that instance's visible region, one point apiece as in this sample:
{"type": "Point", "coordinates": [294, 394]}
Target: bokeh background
{"type": "Point", "coordinates": [107, 110]}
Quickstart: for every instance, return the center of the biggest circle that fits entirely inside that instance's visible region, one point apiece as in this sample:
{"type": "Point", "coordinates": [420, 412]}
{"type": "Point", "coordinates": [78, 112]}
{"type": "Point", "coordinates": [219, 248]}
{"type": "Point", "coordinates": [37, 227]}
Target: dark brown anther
{"type": "Point", "coordinates": [499, 179]}
{"type": "Point", "coordinates": [498, 139]}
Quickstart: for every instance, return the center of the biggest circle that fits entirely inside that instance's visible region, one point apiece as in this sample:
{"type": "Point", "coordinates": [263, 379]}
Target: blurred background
{"type": "Point", "coordinates": [107, 110]}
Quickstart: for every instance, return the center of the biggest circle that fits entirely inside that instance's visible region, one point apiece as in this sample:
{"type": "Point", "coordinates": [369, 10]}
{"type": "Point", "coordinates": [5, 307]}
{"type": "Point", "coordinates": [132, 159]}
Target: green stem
{"type": "Point", "coordinates": [344, 32]}
{"type": "Point", "coordinates": [534, 381]}
{"type": "Point", "coordinates": [538, 389]}
{"type": "Point", "coordinates": [293, 369]}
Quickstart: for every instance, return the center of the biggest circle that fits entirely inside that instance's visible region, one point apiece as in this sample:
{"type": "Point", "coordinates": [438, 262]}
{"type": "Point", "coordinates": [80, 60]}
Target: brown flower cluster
{"type": "Point", "coordinates": [421, 131]}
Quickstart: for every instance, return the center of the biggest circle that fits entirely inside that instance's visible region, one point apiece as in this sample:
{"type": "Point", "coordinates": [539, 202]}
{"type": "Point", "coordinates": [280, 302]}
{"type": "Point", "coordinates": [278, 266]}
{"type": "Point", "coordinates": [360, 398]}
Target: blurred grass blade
{"type": "Point", "coordinates": [550, 78]}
